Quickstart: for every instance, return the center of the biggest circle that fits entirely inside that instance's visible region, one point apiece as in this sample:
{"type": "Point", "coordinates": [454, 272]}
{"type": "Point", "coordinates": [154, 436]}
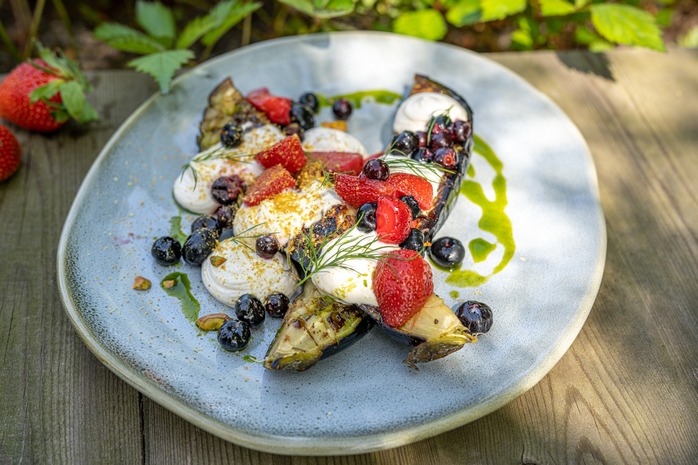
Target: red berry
{"type": "Point", "coordinates": [393, 220]}
{"type": "Point", "coordinates": [272, 181]}
{"type": "Point", "coordinates": [287, 153]}
{"type": "Point", "coordinates": [357, 190]}
{"type": "Point", "coordinates": [416, 186]}
{"type": "Point", "coordinates": [402, 283]}
{"type": "Point", "coordinates": [10, 153]}
{"type": "Point", "coordinates": [277, 109]}
{"type": "Point", "coordinates": [339, 162]}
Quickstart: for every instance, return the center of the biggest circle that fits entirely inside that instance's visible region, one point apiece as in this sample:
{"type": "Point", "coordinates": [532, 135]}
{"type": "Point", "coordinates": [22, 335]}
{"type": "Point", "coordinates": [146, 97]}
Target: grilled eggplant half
{"type": "Point", "coordinates": [314, 328]}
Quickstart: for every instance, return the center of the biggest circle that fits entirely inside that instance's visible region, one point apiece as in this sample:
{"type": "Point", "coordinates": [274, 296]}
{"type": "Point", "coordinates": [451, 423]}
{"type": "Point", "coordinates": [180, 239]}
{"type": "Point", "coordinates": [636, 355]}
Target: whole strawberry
{"type": "Point", "coordinates": [402, 283]}
{"type": "Point", "coordinates": [42, 94]}
{"type": "Point", "coordinates": [10, 153]}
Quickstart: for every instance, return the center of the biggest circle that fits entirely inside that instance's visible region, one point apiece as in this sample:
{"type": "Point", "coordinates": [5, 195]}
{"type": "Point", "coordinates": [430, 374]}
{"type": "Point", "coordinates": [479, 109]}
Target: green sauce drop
{"type": "Point", "coordinates": [454, 294]}
{"type": "Point", "coordinates": [494, 220]}
{"type": "Point", "coordinates": [182, 291]}
{"type": "Point", "coordinates": [356, 99]}
{"type": "Point", "coordinates": [176, 229]}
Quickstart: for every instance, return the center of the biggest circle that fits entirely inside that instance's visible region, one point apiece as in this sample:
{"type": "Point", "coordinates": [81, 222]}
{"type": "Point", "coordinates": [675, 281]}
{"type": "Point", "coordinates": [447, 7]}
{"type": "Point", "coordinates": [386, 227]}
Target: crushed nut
{"type": "Point", "coordinates": [337, 124]}
{"type": "Point", "coordinates": [169, 284]}
{"type": "Point", "coordinates": [141, 283]}
{"type": "Point", "coordinates": [212, 322]}
{"type": "Point", "coordinates": [217, 260]}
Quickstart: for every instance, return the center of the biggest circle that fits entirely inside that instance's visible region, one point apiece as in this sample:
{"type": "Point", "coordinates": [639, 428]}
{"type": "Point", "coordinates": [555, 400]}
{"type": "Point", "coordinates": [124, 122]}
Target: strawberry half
{"type": "Point", "coordinates": [416, 186]}
{"type": "Point", "coordinates": [357, 190]}
{"type": "Point", "coordinates": [402, 283]}
{"type": "Point", "coordinates": [339, 162]}
{"type": "Point", "coordinates": [277, 109]}
{"type": "Point", "coordinates": [287, 153]}
{"type": "Point", "coordinates": [272, 181]}
{"type": "Point", "coordinates": [10, 153]}
{"type": "Point", "coordinates": [393, 220]}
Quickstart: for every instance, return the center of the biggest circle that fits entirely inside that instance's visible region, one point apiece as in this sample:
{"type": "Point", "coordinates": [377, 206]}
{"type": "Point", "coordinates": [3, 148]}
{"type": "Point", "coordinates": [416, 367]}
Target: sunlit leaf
{"type": "Point", "coordinates": [499, 9]}
{"type": "Point", "coordinates": [464, 12]}
{"type": "Point", "coordinates": [426, 24]}
{"type": "Point", "coordinates": [626, 25]}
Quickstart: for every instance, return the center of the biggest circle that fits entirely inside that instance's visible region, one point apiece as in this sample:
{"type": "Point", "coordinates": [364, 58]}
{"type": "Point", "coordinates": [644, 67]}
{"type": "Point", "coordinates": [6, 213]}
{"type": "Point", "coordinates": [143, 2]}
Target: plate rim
{"type": "Point", "coordinates": [316, 446]}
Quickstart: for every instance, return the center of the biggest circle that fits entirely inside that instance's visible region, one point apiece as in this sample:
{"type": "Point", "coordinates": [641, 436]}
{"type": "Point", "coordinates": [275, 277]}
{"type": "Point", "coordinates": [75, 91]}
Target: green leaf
{"type": "Point", "coordinates": [499, 9]}
{"type": "Point", "coordinates": [46, 91]}
{"type": "Point", "coordinates": [464, 13]}
{"type": "Point", "coordinates": [600, 45]}
{"type": "Point", "coordinates": [195, 29]}
{"type": "Point", "coordinates": [156, 19]}
{"type": "Point", "coordinates": [556, 7]}
{"type": "Point", "coordinates": [581, 3]}
{"type": "Point", "coordinates": [626, 25]}
{"type": "Point", "coordinates": [228, 13]}
{"type": "Point", "coordinates": [76, 104]}
{"type": "Point", "coordinates": [127, 39]}
{"type": "Point", "coordinates": [162, 65]}
{"type": "Point", "coordinates": [426, 24]}
{"type": "Point", "coordinates": [690, 40]}
{"type": "Point", "coordinates": [322, 8]}
{"type": "Point", "coordinates": [522, 38]}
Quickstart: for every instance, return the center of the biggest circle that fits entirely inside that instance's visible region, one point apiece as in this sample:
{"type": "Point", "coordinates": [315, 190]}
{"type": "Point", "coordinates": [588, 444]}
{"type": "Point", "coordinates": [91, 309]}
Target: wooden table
{"type": "Point", "coordinates": [625, 392]}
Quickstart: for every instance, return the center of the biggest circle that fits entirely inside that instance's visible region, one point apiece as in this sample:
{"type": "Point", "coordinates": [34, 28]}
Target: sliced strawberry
{"type": "Point", "coordinates": [393, 220]}
{"type": "Point", "coordinates": [402, 283]}
{"type": "Point", "coordinates": [287, 153]}
{"type": "Point", "coordinates": [339, 162]}
{"type": "Point", "coordinates": [271, 182]}
{"type": "Point", "coordinates": [356, 190]}
{"type": "Point", "coordinates": [277, 109]}
{"type": "Point", "coordinates": [416, 186]}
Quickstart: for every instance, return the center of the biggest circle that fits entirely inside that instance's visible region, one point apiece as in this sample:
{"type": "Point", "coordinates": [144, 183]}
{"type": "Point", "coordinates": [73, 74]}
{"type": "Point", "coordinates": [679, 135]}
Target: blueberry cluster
{"type": "Point", "coordinates": [437, 144]}
{"type": "Point", "coordinates": [250, 312]}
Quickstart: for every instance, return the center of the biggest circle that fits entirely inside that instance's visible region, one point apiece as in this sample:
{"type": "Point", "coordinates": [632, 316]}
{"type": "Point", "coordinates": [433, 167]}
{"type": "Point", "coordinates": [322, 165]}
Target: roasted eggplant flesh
{"type": "Point", "coordinates": [314, 327]}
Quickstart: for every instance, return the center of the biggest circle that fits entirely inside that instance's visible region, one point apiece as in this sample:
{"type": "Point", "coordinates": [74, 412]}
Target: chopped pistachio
{"type": "Point", "coordinates": [217, 260]}
{"type": "Point", "coordinates": [168, 284]}
{"type": "Point", "coordinates": [212, 321]}
{"type": "Point", "coordinates": [141, 284]}
{"type": "Point", "coordinates": [338, 124]}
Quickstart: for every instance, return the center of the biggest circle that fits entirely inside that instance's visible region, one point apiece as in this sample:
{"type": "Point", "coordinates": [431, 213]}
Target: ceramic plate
{"type": "Point", "coordinates": [364, 398]}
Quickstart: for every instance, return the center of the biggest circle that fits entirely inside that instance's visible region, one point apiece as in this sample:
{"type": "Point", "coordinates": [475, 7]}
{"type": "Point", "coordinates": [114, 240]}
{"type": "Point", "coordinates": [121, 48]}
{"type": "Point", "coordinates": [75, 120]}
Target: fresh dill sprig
{"type": "Point", "coordinates": [432, 122]}
{"type": "Point", "coordinates": [416, 167]}
{"type": "Point", "coordinates": [218, 154]}
{"type": "Point", "coordinates": [239, 238]}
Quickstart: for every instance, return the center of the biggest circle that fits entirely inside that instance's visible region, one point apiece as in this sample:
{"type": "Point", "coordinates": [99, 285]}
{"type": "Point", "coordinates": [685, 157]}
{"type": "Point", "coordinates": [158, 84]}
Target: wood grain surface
{"type": "Point", "coordinates": [625, 393]}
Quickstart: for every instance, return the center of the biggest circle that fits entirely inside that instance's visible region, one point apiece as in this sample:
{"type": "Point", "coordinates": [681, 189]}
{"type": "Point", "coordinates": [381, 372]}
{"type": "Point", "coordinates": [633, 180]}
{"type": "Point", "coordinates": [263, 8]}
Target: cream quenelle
{"type": "Point", "coordinates": [414, 112]}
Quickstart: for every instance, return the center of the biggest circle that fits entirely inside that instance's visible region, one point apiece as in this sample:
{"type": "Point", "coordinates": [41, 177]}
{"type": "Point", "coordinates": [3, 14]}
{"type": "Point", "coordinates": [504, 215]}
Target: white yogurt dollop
{"type": "Point", "coordinates": [415, 111]}
{"type": "Point", "coordinates": [193, 190]}
{"type": "Point", "coordinates": [321, 139]}
{"type": "Point", "coordinates": [352, 283]}
{"type": "Point", "coordinates": [245, 272]}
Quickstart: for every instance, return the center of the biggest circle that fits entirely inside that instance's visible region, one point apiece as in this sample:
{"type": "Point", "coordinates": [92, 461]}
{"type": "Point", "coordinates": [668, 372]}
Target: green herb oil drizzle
{"type": "Point", "coordinates": [182, 291]}
{"type": "Point", "coordinates": [493, 220]}
{"type": "Point", "coordinates": [176, 229]}
{"type": "Point", "coordinates": [356, 99]}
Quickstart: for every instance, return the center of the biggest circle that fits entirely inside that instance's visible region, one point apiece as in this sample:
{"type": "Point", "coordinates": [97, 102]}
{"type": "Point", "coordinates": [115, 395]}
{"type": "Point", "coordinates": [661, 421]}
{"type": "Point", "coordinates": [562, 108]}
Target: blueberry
{"type": "Point", "coordinates": [311, 101]}
{"type": "Point", "coordinates": [249, 309]}
{"type": "Point", "coordinates": [405, 143]}
{"type": "Point", "coordinates": [198, 246]}
{"type": "Point", "coordinates": [267, 246]}
{"type": "Point", "coordinates": [414, 241]}
{"type": "Point", "coordinates": [413, 204]}
{"type": "Point", "coordinates": [446, 157]}
{"type": "Point", "coordinates": [342, 108]}
{"type": "Point", "coordinates": [231, 135]}
{"type": "Point", "coordinates": [166, 251]}
{"type": "Point", "coordinates": [302, 115]}
{"type": "Point", "coordinates": [421, 138]}
{"type": "Point", "coordinates": [366, 217]}
{"type": "Point", "coordinates": [475, 316]}
{"type": "Point", "coordinates": [376, 169]}
{"type": "Point", "coordinates": [277, 305]}
{"type": "Point", "coordinates": [447, 252]}
{"type": "Point", "coordinates": [423, 155]}
{"type": "Point", "coordinates": [234, 335]}
{"type": "Point", "coordinates": [225, 215]}
{"type": "Point", "coordinates": [206, 222]}
{"type": "Point", "coordinates": [294, 128]}
{"type": "Point", "coordinates": [461, 130]}
{"type": "Point", "coordinates": [225, 190]}
{"type": "Point", "coordinates": [440, 140]}
{"type": "Point", "coordinates": [439, 123]}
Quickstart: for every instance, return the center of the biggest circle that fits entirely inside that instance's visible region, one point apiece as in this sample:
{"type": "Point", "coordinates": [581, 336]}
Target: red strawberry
{"type": "Point", "coordinates": [41, 95]}
{"type": "Point", "coordinates": [277, 109]}
{"type": "Point", "coordinates": [393, 220]}
{"type": "Point", "coordinates": [416, 186]}
{"type": "Point", "coordinates": [402, 283]}
{"type": "Point", "coordinates": [10, 153]}
{"type": "Point", "coordinates": [287, 153]}
{"type": "Point", "coordinates": [357, 190]}
{"type": "Point", "coordinates": [339, 162]}
{"type": "Point", "coordinates": [271, 182]}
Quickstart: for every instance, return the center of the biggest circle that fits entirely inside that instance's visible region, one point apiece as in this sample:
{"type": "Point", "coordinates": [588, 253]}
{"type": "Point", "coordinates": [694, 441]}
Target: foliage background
{"type": "Point", "coordinates": [481, 25]}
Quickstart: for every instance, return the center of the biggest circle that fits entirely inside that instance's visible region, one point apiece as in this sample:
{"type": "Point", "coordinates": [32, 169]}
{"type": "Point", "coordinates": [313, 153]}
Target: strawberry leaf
{"type": "Point", "coordinates": [156, 19]}
{"type": "Point", "coordinates": [556, 7]}
{"type": "Point", "coordinates": [499, 9]}
{"type": "Point", "coordinates": [195, 29]}
{"type": "Point", "coordinates": [626, 25]}
{"type": "Point", "coordinates": [464, 13]}
{"type": "Point", "coordinates": [75, 102]}
{"type": "Point", "coordinates": [127, 39]}
{"type": "Point", "coordinates": [228, 13]}
{"type": "Point", "coordinates": [427, 24]}
{"type": "Point", "coordinates": [46, 91]}
{"type": "Point", "coordinates": [162, 65]}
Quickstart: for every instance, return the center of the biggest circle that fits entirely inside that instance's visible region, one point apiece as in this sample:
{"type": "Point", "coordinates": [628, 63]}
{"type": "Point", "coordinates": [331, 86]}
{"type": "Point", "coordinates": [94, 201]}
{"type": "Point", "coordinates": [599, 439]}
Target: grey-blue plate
{"type": "Point", "coordinates": [364, 398]}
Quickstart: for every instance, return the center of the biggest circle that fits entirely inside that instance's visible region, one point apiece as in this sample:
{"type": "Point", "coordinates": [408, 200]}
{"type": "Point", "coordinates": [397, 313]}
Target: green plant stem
{"type": "Point", "coordinates": [246, 30]}
{"type": "Point", "coordinates": [34, 28]}
{"type": "Point", "coordinates": [67, 23]}
{"type": "Point", "coordinates": [8, 42]}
